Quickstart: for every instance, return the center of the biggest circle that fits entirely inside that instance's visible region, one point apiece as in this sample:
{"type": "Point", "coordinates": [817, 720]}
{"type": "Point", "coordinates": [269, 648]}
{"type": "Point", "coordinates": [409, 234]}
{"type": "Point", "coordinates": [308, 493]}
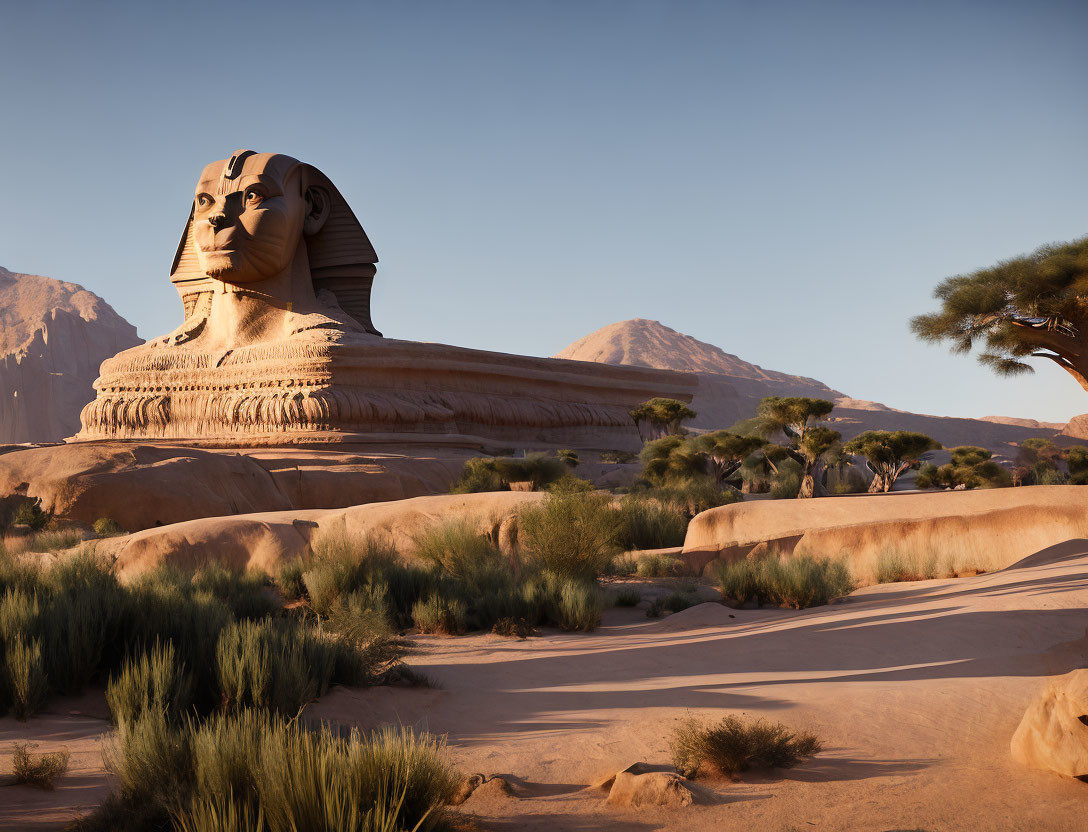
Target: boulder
{"type": "Point", "coordinates": [654, 788]}
{"type": "Point", "coordinates": [981, 530]}
{"type": "Point", "coordinates": [142, 485]}
{"type": "Point", "coordinates": [1053, 735]}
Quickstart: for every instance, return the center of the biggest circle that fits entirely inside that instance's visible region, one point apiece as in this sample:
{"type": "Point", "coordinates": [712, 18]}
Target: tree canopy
{"type": "Point", "coordinates": [793, 415]}
{"type": "Point", "coordinates": [1034, 306]}
{"type": "Point", "coordinates": [726, 451]}
{"type": "Point", "coordinates": [664, 416]}
{"type": "Point", "coordinates": [890, 453]}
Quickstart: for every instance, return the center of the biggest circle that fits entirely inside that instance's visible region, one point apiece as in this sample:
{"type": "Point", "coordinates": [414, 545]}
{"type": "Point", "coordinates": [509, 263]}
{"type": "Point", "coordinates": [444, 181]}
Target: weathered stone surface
{"type": "Point", "coordinates": [985, 529]}
{"type": "Point", "coordinates": [655, 788]}
{"type": "Point", "coordinates": [1077, 427]}
{"type": "Point", "coordinates": [1053, 735]}
{"type": "Point", "coordinates": [53, 336]}
{"type": "Point", "coordinates": [145, 485]}
{"type": "Point", "coordinates": [277, 345]}
{"type": "Point", "coordinates": [267, 540]}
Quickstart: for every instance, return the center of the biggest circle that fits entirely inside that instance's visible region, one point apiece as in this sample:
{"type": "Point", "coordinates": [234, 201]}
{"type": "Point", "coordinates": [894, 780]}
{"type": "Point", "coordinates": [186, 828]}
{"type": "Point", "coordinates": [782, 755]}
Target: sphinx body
{"type": "Point", "coordinates": [277, 343]}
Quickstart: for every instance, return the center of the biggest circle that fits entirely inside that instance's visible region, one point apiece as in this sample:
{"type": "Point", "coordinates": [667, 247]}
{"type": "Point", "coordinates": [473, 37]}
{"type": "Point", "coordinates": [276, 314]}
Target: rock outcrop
{"type": "Point", "coordinates": [730, 388]}
{"type": "Point", "coordinates": [928, 534]}
{"type": "Point", "coordinates": [53, 337]}
{"type": "Point", "coordinates": [1053, 735]}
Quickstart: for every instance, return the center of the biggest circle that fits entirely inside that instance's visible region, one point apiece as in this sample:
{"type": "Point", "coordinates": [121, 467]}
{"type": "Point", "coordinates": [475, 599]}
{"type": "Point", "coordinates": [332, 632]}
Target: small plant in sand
{"type": "Point", "coordinates": [656, 566]}
{"type": "Point", "coordinates": [38, 770]}
{"type": "Point", "coordinates": [152, 682]}
{"type": "Point", "coordinates": [734, 745]}
{"type": "Point", "coordinates": [108, 527]}
{"type": "Point", "coordinates": [647, 523]}
{"type": "Point", "coordinates": [439, 616]}
{"type": "Point", "coordinates": [30, 513]}
{"type": "Point", "coordinates": [627, 597]}
{"type": "Point", "coordinates": [799, 581]}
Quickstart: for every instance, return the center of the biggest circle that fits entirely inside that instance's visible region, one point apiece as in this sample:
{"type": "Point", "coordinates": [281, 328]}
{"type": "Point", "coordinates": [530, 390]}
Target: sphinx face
{"type": "Point", "coordinates": [248, 217]}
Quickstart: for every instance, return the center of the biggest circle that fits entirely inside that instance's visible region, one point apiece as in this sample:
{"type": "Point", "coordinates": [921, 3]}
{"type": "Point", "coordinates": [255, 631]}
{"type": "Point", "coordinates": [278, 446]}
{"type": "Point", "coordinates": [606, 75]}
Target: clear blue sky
{"type": "Point", "coordinates": [787, 180]}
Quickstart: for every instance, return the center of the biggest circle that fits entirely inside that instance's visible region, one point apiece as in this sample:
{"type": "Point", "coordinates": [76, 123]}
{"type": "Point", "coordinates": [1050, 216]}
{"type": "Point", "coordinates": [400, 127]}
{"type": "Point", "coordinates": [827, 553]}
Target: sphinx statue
{"type": "Point", "coordinates": [277, 343]}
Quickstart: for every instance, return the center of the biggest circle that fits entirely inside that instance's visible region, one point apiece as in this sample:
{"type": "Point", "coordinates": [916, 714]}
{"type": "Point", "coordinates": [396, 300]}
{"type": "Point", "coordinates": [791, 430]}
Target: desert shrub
{"type": "Point", "coordinates": [17, 573]}
{"type": "Point", "coordinates": [513, 628]}
{"type": "Point", "coordinates": [568, 457]}
{"type": "Point", "coordinates": [799, 582]}
{"type": "Point", "coordinates": [38, 770]}
{"type": "Point", "coordinates": [233, 770]}
{"type": "Point", "coordinates": [651, 524]}
{"type": "Point", "coordinates": [276, 665]}
{"type": "Point", "coordinates": [289, 580]}
{"type": "Point", "coordinates": [656, 566]}
{"type": "Point", "coordinates": [740, 580]}
{"type": "Point", "coordinates": [479, 474]}
{"type": "Point", "coordinates": [574, 535]}
{"type": "Point", "coordinates": [618, 457]}
{"type": "Point", "coordinates": [892, 567]}
{"type": "Point", "coordinates": [625, 564]}
{"type": "Point", "coordinates": [439, 615]}
{"type": "Point", "coordinates": [628, 597]}
{"type": "Point", "coordinates": [458, 549]}
{"type": "Point", "coordinates": [108, 527]}
{"type": "Point", "coordinates": [25, 676]}
{"type": "Point", "coordinates": [656, 608]}
{"type": "Point", "coordinates": [695, 495]}
{"type": "Point", "coordinates": [29, 513]}
{"type": "Point", "coordinates": [971, 467]}
{"type": "Point", "coordinates": [55, 541]}
{"type": "Point", "coordinates": [735, 745]}
{"type": "Point", "coordinates": [786, 484]}
{"type": "Point", "coordinates": [847, 480]}
{"type": "Point", "coordinates": [153, 682]}
{"type": "Point", "coordinates": [579, 606]}
{"type": "Point", "coordinates": [245, 593]}
{"type": "Point", "coordinates": [539, 469]}
{"type": "Point", "coordinates": [677, 601]}
{"type": "Point", "coordinates": [570, 484]}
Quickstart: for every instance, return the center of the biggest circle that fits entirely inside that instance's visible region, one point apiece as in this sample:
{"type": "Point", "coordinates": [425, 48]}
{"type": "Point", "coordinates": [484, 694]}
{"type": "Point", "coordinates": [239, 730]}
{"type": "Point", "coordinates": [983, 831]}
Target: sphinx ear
{"type": "Point", "coordinates": [318, 207]}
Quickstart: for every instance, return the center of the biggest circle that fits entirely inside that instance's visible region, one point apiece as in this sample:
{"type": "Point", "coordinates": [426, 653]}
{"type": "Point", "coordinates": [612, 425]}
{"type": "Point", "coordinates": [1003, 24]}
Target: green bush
{"type": "Point", "coordinates": [438, 615]}
{"type": "Point", "coordinates": [245, 593]}
{"type": "Point", "coordinates": [29, 513]}
{"type": "Point", "coordinates": [37, 770]}
{"type": "Point", "coordinates": [153, 682]}
{"type": "Point", "coordinates": [677, 601]}
{"type": "Point", "coordinates": [25, 676]}
{"type": "Point", "coordinates": [628, 597]}
{"type": "Point", "coordinates": [56, 541]}
{"type": "Point", "coordinates": [618, 457]}
{"type": "Point", "coordinates": [579, 605]}
{"type": "Point", "coordinates": [108, 527]}
{"type": "Point", "coordinates": [575, 535]}
{"type": "Point", "coordinates": [650, 524]}
{"type": "Point", "coordinates": [273, 664]}
{"type": "Point", "coordinates": [289, 581]}
{"type": "Point", "coordinates": [458, 549]}
{"type": "Point", "coordinates": [656, 566]}
{"type": "Point", "coordinates": [799, 582]}
{"type": "Point", "coordinates": [735, 745]}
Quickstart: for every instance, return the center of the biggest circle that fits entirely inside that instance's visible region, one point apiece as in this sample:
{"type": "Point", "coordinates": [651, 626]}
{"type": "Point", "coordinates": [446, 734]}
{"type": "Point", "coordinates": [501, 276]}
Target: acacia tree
{"type": "Point", "coordinates": [815, 448]}
{"type": "Point", "coordinates": [889, 453]}
{"type": "Point", "coordinates": [664, 417]}
{"type": "Point", "coordinates": [793, 415]}
{"type": "Point", "coordinates": [1034, 306]}
{"type": "Point", "coordinates": [726, 451]}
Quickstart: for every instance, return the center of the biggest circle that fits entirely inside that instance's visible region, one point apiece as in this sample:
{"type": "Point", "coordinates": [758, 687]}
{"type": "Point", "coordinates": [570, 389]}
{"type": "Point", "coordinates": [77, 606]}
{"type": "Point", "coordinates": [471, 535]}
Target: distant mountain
{"type": "Point", "coordinates": [53, 337]}
{"type": "Point", "coordinates": [730, 388]}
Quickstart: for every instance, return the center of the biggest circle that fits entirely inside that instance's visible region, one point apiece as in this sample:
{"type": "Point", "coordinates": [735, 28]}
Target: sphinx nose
{"type": "Point", "coordinates": [217, 220]}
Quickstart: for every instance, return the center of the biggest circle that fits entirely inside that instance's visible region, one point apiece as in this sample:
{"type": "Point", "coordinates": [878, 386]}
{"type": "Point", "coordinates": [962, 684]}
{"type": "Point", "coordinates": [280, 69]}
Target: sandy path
{"type": "Point", "coordinates": [915, 688]}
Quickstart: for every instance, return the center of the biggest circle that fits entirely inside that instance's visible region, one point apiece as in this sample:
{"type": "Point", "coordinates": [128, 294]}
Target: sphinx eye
{"type": "Point", "coordinates": [254, 195]}
{"type": "Point", "coordinates": [203, 200]}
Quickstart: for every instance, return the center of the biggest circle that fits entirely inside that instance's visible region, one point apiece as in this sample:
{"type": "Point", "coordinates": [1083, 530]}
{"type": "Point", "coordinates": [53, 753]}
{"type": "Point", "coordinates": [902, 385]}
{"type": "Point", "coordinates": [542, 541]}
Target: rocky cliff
{"type": "Point", "coordinates": [730, 388]}
{"type": "Point", "coordinates": [53, 337]}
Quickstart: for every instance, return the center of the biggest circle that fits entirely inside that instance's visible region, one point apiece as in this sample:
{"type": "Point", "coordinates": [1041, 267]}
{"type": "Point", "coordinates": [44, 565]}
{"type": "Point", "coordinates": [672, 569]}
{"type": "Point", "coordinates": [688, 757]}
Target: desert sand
{"type": "Point", "coordinates": [916, 689]}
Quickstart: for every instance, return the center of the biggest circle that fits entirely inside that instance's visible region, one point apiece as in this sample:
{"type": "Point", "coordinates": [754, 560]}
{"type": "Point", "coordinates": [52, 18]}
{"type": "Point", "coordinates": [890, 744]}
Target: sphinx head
{"type": "Point", "coordinates": [251, 217]}
{"type": "Point", "coordinates": [250, 214]}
